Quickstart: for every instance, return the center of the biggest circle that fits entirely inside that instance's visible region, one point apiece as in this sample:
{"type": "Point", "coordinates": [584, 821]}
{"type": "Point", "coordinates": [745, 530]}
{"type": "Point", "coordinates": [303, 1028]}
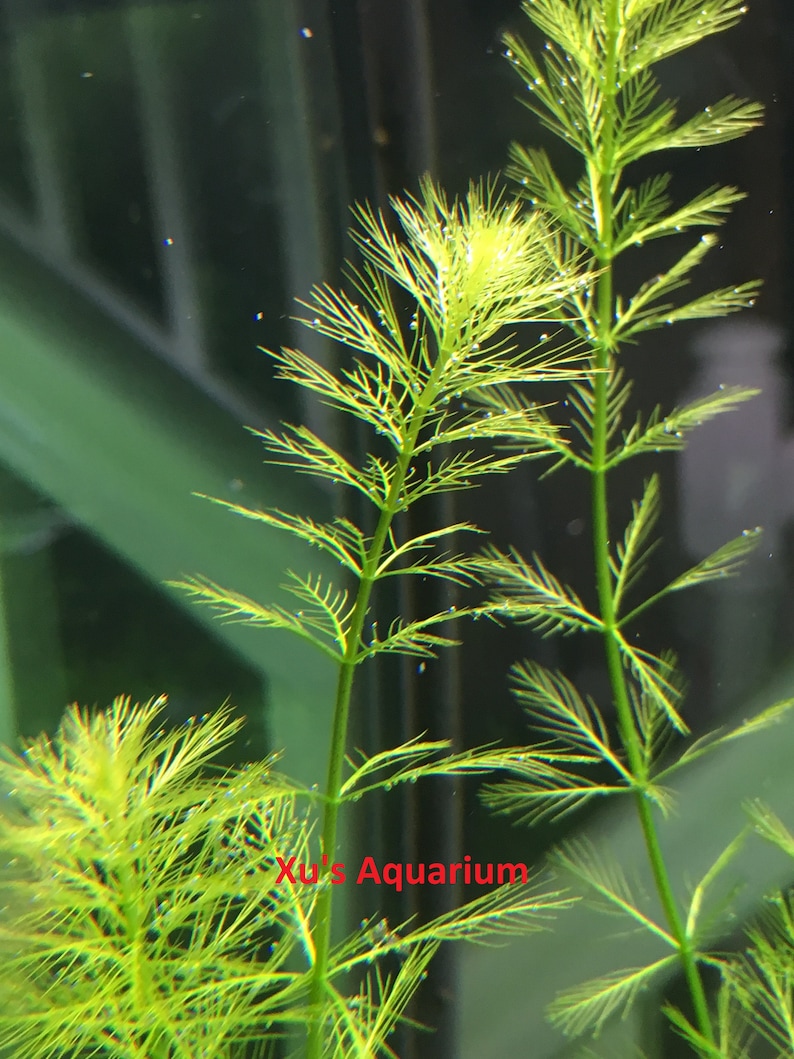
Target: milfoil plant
{"type": "Point", "coordinates": [154, 907]}
{"type": "Point", "coordinates": [593, 87]}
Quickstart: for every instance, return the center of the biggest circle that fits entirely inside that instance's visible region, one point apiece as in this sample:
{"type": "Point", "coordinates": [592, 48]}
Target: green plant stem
{"type": "Point", "coordinates": [629, 735]}
{"type": "Point", "coordinates": [604, 177]}
{"type": "Point", "coordinates": [336, 757]}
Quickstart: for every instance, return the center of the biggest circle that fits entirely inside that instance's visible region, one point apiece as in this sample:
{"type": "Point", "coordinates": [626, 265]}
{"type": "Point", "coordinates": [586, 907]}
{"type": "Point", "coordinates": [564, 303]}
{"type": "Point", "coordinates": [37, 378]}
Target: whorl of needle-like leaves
{"type": "Point", "coordinates": [144, 913]}
{"type": "Point", "coordinates": [426, 357]}
{"type": "Point", "coordinates": [429, 314]}
{"type": "Point", "coordinates": [595, 89]}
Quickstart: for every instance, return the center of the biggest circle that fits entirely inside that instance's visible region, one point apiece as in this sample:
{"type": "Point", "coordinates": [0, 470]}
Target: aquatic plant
{"type": "Point", "coordinates": [138, 890]}
{"type": "Point", "coordinates": [428, 328]}
{"type": "Point", "coordinates": [592, 85]}
{"type": "Point", "coordinates": [155, 910]}
{"type": "Point", "coordinates": [156, 907]}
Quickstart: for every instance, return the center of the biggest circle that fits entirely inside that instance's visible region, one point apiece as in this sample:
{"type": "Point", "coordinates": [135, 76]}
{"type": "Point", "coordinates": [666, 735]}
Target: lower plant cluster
{"type": "Point", "coordinates": [151, 907]}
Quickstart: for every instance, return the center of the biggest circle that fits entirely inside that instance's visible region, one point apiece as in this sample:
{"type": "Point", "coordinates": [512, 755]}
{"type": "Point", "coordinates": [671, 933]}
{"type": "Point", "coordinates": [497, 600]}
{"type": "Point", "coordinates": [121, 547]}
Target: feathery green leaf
{"type": "Point", "coordinates": [657, 680]}
{"type": "Point", "coordinates": [604, 876]}
{"type": "Point", "coordinates": [529, 594]}
{"type": "Point", "coordinates": [762, 981]}
{"type": "Point", "coordinates": [724, 562]}
{"type": "Point", "coordinates": [325, 614]}
{"type": "Point", "coordinates": [644, 215]}
{"type": "Point", "coordinates": [772, 715]}
{"type": "Point", "coordinates": [588, 1007]}
{"type": "Point", "coordinates": [632, 555]}
{"type": "Point", "coordinates": [557, 709]}
{"type": "Point", "coordinates": [670, 432]}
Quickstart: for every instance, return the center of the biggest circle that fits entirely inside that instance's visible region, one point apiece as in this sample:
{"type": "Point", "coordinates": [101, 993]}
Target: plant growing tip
{"type": "Point", "coordinates": [157, 908]}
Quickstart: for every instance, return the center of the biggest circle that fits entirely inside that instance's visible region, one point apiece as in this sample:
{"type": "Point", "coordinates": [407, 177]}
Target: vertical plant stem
{"type": "Point", "coordinates": [333, 784]}
{"type": "Point", "coordinates": [336, 757]}
{"type": "Point", "coordinates": [604, 176]}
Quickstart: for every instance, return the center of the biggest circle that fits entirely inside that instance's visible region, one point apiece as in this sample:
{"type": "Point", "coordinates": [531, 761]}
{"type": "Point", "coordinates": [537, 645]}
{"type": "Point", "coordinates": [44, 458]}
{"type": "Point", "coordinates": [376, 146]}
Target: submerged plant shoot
{"type": "Point", "coordinates": [593, 86]}
{"type": "Point", "coordinates": [157, 906]}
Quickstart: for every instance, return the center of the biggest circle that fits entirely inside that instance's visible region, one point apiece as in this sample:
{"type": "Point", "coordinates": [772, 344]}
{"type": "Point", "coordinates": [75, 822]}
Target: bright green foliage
{"type": "Point", "coordinates": [138, 890]}
{"type": "Point", "coordinates": [427, 317]}
{"type": "Point", "coordinates": [759, 986]}
{"type": "Point", "coordinates": [592, 85]}
{"type": "Point", "coordinates": [159, 926]}
{"type": "Point", "coordinates": [142, 916]}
